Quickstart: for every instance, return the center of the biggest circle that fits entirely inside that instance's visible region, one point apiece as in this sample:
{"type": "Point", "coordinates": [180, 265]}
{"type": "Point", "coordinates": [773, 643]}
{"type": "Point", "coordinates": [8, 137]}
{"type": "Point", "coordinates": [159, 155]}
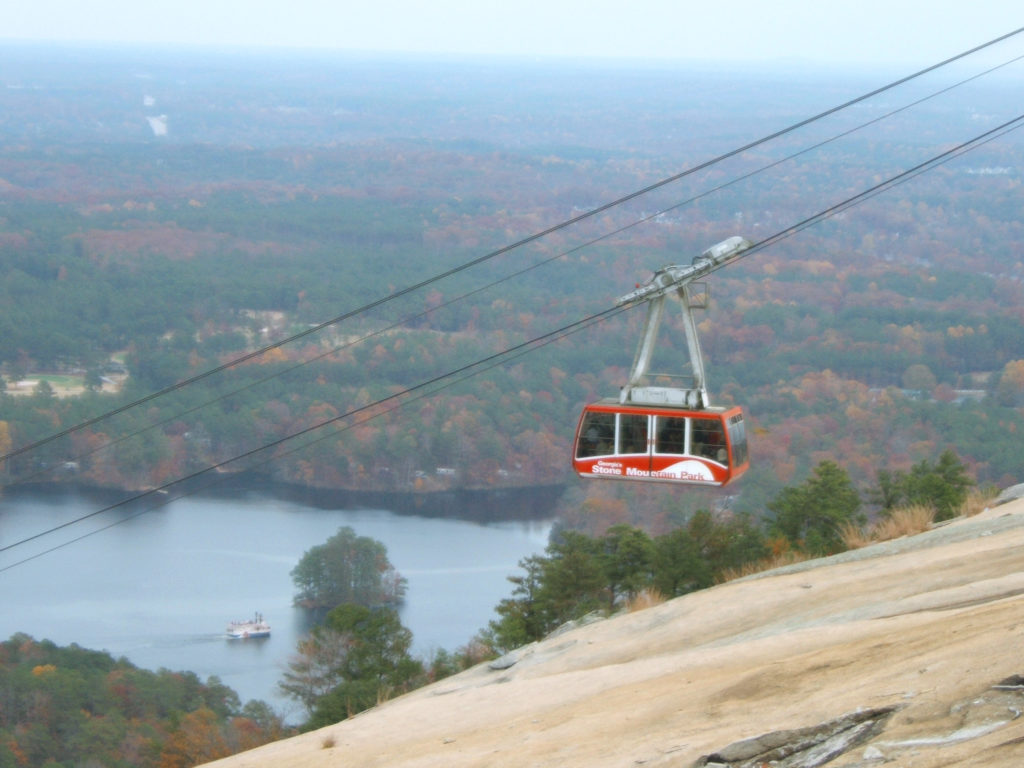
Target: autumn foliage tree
{"type": "Point", "coordinates": [1010, 389]}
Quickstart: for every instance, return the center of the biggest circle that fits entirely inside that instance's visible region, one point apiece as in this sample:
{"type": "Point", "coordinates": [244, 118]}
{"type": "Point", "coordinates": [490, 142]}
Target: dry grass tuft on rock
{"type": "Point", "coordinates": [906, 521]}
{"type": "Point", "coordinates": [647, 598]}
{"type": "Point", "coordinates": [788, 557]}
{"type": "Point", "coordinates": [910, 520]}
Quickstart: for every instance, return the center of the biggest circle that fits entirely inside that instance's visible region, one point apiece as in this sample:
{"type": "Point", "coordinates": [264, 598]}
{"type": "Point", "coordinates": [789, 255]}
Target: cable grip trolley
{"type": "Point", "coordinates": [666, 433]}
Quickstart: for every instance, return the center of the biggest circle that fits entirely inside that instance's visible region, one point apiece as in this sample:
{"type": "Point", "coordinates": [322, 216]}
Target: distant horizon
{"type": "Point", "coordinates": [789, 64]}
{"type": "Point", "coordinates": [874, 33]}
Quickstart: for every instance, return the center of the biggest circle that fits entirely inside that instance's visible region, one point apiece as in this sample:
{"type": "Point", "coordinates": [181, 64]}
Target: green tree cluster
{"type": "Point", "coordinates": [579, 574]}
{"type": "Point", "coordinates": [359, 654]}
{"type": "Point", "coordinates": [943, 486]}
{"type": "Point", "coordinates": [812, 515]}
{"type": "Point", "coordinates": [357, 658]}
{"type": "Point", "coordinates": [347, 569]}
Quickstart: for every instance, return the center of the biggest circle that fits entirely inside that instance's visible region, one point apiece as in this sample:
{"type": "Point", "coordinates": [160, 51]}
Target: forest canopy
{"type": "Point", "coordinates": [129, 262]}
{"type": "Point", "coordinates": [63, 704]}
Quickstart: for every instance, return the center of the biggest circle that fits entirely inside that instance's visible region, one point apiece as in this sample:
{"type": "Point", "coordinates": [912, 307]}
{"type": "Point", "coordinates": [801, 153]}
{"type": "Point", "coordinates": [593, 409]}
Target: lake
{"type": "Point", "coordinates": [159, 586]}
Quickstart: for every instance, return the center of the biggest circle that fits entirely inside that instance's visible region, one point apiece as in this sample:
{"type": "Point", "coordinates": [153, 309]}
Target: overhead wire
{"type": "Point", "coordinates": [500, 251]}
{"type": "Point", "coordinates": [502, 357]}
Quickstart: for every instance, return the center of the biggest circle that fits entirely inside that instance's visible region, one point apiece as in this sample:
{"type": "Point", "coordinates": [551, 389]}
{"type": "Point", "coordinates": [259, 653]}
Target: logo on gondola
{"type": "Point", "coordinates": [688, 469]}
{"type": "Point", "coordinates": [607, 468]}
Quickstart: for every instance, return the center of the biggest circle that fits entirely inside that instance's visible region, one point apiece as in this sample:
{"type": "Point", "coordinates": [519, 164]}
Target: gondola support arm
{"type": "Point", "coordinates": [675, 281]}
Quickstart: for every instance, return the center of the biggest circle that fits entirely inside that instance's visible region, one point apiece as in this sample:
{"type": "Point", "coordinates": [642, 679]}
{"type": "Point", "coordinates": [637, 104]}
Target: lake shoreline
{"type": "Point", "coordinates": [156, 579]}
{"type": "Point", "coordinates": [484, 505]}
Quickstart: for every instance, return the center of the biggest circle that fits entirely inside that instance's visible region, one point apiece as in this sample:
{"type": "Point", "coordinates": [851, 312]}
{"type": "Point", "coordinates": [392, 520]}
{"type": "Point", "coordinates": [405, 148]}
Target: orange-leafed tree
{"type": "Point", "coordinates": [1010, 389]}
{"type": "Point", "coordinates": [198, 739]}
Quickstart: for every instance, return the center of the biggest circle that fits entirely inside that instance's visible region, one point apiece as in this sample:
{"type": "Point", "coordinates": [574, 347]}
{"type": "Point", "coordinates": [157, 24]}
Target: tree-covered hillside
{"type": "Point", "coordinates": [287, 193]}
{"type": "Point", "coordinates": [71, 706]}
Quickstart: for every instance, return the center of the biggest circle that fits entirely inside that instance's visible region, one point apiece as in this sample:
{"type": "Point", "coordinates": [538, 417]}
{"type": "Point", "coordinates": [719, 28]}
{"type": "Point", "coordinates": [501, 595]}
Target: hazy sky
{"type": "Point", "coordinates": [867, 31]}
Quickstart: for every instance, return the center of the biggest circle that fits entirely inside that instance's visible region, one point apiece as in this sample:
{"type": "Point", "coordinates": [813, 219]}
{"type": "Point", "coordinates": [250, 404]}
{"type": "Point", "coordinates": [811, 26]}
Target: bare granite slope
{"type": "Point", "coordinates": [909, 652]}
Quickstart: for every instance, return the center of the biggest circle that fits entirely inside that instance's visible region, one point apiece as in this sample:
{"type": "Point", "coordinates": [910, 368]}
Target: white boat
{"type": "Point", "coordinates": [243, 630]}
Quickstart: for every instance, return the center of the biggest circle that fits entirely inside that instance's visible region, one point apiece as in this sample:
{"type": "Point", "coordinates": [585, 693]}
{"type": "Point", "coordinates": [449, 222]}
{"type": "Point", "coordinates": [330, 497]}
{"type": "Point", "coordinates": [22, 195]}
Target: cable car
{"type": "Point", "coordinates": [663, 444]}
{"type": "Point", "coordinates": [666, 433]}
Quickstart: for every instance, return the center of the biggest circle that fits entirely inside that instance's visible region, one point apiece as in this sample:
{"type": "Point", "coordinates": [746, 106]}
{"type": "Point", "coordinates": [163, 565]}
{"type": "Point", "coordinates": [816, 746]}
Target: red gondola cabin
{"type": "Point", "coordinates": [658, 443]}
